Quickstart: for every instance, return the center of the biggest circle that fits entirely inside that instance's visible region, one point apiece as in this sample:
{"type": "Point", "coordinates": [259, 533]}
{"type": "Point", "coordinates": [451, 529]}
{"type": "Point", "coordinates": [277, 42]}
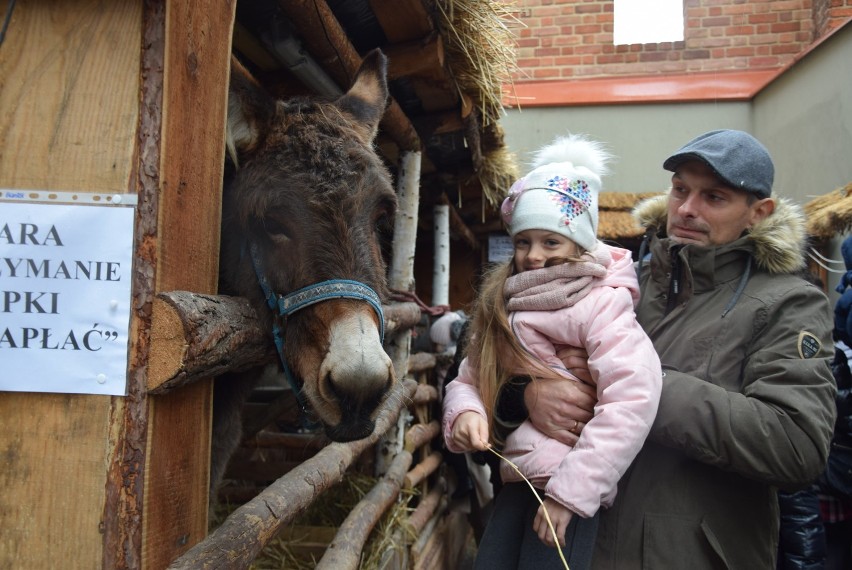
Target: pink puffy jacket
{"type": "Point", "coordinates": [626, 371]}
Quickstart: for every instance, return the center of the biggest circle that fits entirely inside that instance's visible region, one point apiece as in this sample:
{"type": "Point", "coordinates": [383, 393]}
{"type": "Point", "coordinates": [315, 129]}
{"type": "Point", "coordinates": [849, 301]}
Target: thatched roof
{"type": "Point", "coordinates": [831, 214]}
{"type": "Point", "coordinates": [480, 50]}
{"type": "Point", "coordinates": [615, 220]}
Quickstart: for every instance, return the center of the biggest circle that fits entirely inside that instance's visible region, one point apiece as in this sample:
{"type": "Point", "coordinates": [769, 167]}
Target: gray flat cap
{"type": "Point", "coordinates": [738, 158]}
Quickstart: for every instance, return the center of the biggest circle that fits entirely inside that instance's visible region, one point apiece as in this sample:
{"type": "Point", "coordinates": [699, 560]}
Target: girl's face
{"type": "Point", "coordinates": [534, 247]}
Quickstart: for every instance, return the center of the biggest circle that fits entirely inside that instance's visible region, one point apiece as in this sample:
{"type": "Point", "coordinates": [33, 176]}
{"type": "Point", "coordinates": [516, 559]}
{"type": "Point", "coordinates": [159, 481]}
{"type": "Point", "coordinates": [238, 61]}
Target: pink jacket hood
{"type": "Point", "coordinates": [625, 369]}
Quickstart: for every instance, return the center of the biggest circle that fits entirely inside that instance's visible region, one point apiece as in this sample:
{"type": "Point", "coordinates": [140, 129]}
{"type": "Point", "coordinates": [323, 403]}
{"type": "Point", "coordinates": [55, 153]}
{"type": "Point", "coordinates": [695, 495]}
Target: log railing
{"type": "Point", "coordinates": [198, 336]}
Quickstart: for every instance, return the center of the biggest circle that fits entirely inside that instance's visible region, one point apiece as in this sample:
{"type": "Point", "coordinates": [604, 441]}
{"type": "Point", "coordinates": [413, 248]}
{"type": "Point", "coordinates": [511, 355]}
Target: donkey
{"type": "Point", "coordinates": [306, 203]}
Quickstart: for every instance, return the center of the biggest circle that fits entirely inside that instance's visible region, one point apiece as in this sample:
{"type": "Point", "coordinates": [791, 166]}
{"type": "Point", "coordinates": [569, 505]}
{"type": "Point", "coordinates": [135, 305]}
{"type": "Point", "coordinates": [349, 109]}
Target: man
{"type": "Point", "coordinates": [747, 404]}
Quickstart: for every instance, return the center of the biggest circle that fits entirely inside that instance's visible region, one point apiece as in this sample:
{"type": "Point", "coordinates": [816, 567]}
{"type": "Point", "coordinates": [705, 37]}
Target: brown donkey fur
{"type": "Point", "coordinates": [311, 193]}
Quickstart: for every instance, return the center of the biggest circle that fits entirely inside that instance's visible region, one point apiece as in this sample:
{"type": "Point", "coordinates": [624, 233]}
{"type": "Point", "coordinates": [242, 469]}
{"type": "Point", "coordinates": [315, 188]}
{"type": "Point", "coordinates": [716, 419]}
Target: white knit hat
{"type": "Point", "coordinates": [561, 193]}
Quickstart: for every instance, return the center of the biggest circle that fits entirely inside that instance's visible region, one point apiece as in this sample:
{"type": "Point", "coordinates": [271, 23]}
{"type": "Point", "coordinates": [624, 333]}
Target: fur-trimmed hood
{"type": "Point", "coordinates": [779, 239]}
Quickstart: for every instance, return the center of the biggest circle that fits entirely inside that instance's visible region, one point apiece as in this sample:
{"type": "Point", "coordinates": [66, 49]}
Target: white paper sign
{"type": "Point", "coordinates": [499, 248]}
{"type": "Point", "coordinates": [65, 281]}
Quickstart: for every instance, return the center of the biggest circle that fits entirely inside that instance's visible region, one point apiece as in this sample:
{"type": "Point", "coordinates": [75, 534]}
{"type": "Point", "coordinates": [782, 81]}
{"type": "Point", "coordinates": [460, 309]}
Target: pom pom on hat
{"type": "Point", "coordinates": [561, 192]}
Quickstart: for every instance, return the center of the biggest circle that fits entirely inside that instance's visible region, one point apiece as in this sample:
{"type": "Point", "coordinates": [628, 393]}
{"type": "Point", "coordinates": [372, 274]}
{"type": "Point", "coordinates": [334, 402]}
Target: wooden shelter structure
{"type": "Point", "coordinates": [128, 99]}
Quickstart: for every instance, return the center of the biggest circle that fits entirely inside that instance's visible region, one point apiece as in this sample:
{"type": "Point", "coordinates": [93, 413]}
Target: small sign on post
{"type": "Point", "coordinates": [65, 293]}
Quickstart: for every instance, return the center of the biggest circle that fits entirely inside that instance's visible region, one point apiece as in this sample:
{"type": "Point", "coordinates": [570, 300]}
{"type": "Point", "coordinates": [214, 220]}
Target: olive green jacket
{"type": "Point", "coordinates": [747, 403]}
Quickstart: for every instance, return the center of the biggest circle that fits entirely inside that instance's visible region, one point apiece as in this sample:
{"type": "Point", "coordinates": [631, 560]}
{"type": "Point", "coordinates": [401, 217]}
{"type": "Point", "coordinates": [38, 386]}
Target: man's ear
{"type": "Point", "coordinates": [761, 209]}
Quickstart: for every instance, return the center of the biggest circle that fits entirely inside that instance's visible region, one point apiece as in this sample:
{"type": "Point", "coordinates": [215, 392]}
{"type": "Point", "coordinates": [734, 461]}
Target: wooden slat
{"type": "Point", "coordinates": [402, 20]}
{"type": "Point", "coordinates": [327, 42]}
{"type": "Point", "coordinates": [196, 70]}
{"type": "Point", "coordinates": [69, 96]}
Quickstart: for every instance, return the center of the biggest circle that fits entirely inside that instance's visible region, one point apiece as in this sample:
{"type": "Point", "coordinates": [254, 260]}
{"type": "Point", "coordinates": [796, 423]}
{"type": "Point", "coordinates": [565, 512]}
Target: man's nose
{"type": "Point", "coordinates": [689, 206]}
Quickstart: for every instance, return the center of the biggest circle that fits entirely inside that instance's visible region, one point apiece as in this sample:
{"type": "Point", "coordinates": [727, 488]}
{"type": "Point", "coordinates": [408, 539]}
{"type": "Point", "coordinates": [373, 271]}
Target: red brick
{"type": "Point", "coordinates": [714, 22]}
{"type": "Point", "coordinates": [740, 52]}
{"type": "Point", "coordinates": [769, 18]}
{"type": "Point", "coordinates": [547, 52]}
{"type": "Point", "coordinates": [527, 42]}
{"type": "Point", "coordinates": [648, 57]}
{"type": "Point", "coordinates": [608, 59]}
{"type": "Point", "coordinates": [786, 27]}
{"type": "Point", "coordinates": [764, 62]}
{"type": "Point", "coordinates": [740, 30]}
{"type": "Point", "coordinates": [786, 49]}
{"type": "Point", "coordinates": [696, 54]}
{"type": "Point", "coordinates": [588, 8]}
{"type": "Point", "coordinates": [587, 29]}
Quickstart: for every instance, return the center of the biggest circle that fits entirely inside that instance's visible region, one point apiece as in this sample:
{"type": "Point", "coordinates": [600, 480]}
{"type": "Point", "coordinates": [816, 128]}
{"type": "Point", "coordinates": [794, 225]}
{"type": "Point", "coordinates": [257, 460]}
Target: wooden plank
{"type": "Point", "coordinates": [402, 20]}
{"type": "Point", "coordinates": [69, 90]}
{"type": "Point", "coordinates": [67, 85]}
{"type": "Point", "coordinates": [196, 68]}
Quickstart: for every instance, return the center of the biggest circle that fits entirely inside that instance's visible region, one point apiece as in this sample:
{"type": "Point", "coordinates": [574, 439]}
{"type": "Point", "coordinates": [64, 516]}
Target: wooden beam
{"type": "Point", "coordinates": [402, 20]}
{"type": "Point", "coordinates": [344, 552]}
{"type": "Point", "coordinates": [458, 227]}
{"type": "Point", "coordinates": [327, 41]}
{"type": "Point", "coordinates": [416, 57]}
{"type": "Point", "coordinates": [196, 68]}
{"type": "Point", "coordinates": [196, 336]}
{"type": "Point", "coordinates": [201, 336]}
{"type": "Point", "coordinates": [248, 529]}
{"type": "Point", "coordinates": [70, 106]}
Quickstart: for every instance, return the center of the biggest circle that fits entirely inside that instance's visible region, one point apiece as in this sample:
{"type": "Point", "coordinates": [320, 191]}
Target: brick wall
{"type": "Point", "coordinates": [571, 39]}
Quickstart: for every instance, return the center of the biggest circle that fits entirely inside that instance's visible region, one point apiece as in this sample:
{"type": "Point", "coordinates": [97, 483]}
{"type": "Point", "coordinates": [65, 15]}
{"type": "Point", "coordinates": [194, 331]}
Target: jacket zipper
{"type": "Point", "coordinates": [674, 281]}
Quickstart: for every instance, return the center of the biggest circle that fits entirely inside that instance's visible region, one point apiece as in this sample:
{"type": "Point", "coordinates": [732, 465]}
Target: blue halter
{"type": "Point", "coordinates": [286, 305]}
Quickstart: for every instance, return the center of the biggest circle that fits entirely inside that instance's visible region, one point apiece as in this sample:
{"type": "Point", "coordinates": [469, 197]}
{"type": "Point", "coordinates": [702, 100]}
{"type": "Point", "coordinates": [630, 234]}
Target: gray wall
{"type": "Point", "coordinates": [804, 118]}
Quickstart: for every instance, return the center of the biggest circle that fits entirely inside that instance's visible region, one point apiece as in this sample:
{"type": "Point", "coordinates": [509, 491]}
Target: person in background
{"type": "Point", "coordinates": [747, 403]}
{"type": "Point", "coordinates": [561, 287]}
{"type": "Point", "coordinates": [835, 484]}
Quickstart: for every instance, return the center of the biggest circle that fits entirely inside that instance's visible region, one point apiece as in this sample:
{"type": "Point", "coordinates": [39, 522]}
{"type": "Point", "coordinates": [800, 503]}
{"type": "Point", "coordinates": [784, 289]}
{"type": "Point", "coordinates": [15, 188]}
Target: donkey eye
{"type": "Point", "coordinates": [275, 228]}
{"type": "Point", "coordinates": [383, 217]}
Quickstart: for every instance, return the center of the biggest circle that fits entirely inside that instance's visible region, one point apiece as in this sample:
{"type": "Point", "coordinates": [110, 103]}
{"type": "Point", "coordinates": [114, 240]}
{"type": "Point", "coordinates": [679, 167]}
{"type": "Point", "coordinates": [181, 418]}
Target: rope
{"type": "Point", "coordinates": [540, 502]}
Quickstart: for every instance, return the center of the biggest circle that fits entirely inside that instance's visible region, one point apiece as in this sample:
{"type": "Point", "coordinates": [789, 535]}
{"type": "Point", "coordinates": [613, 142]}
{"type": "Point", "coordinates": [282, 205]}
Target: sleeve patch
{"type": "Point", "coordinates": [809, 345]}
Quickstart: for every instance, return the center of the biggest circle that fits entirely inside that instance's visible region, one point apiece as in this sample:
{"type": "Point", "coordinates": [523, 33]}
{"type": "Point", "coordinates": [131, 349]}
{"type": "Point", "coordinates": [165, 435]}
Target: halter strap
{"type": "Point", "coordinates": [286, 305]}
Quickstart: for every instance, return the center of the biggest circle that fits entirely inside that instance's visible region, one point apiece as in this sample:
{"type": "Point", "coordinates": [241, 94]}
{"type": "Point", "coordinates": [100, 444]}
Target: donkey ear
{"type": "Point", "coordinates": [368, 97]}
{"type": "Point", "coordinates": [250, 110]}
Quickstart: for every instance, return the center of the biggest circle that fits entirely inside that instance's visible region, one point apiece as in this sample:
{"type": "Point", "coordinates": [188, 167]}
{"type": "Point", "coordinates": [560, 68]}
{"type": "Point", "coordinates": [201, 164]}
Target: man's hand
{"type": "Point", "coordinates": [470, 432]}
{"type": "Point", "coordinates": [561, 408]}
{"type": "Point", "coordinates": [576, 360]}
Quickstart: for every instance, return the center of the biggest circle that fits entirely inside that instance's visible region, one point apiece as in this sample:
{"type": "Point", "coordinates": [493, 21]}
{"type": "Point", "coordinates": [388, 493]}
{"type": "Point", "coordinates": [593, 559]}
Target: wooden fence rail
{"type": "Point", "coordinates": [199, 336]}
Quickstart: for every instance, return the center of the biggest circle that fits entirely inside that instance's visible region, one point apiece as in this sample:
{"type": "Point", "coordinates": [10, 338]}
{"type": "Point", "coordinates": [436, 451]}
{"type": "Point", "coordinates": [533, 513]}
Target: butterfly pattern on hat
{"type": "Point", "coordinates": [572, 195]}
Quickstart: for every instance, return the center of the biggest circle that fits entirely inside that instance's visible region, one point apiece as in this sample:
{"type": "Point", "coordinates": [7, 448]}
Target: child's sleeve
{"type": "Point", "coordinates": [462, 395]}
{"type": "Point", "coordinates": [628, 375]}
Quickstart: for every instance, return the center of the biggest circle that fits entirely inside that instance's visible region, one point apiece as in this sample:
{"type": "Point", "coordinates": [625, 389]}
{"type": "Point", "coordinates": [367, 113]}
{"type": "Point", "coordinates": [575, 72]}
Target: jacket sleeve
{"type": "Point", "coordinates": [626, 370]}
{"type": "Point", "coordinates": [461, 395]}
{"type": "Point", "coordinates": [777, 428]}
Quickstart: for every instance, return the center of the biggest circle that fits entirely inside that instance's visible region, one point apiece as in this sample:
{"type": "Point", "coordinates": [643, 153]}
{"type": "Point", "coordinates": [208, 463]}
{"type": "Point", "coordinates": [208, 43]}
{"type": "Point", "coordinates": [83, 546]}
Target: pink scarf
{"type": "Point", "coordinates": [558, 286]}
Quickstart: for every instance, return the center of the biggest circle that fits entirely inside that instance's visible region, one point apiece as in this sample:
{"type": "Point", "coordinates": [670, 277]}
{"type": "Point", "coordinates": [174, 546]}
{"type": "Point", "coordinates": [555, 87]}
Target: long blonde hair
{"type": "Point", "coordinates": [493, 349]}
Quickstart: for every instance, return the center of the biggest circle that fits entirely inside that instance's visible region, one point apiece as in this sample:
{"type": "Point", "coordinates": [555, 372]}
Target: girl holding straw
{"type": "Point", "coordinates": [562, 287]}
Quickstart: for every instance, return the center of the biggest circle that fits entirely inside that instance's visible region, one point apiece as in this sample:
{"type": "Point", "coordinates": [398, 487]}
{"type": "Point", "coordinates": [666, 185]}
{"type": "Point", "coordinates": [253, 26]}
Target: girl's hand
{"type": "Point", "coordinates": [470, 432]}
{"type": "Point", "coordinates": [560, 517]}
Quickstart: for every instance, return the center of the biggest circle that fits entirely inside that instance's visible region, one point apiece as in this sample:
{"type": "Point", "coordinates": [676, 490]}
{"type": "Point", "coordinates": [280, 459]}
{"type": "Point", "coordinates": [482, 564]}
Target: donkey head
{"type": "Point", "coordinates": [311, 195]}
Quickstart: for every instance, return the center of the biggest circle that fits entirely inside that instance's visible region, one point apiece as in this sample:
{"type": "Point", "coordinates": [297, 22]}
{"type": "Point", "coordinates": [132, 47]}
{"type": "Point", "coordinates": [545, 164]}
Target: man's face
{"type": "Point", "coordinates": [703, 210]}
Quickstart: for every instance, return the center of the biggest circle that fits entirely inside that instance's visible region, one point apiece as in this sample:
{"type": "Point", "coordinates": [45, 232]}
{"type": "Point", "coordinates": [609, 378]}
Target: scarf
{"type": "Point", "coordinates": [558, 286]}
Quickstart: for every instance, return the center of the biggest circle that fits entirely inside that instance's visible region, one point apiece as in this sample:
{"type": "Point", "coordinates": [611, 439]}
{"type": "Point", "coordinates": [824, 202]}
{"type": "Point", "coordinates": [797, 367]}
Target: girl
{"type": "Point", "coordinates": [562, 287]}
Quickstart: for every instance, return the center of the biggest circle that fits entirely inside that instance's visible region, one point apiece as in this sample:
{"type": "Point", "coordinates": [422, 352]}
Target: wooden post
{"type": "Point", "coordinates": [401, 278]}
{"type": "Point", "coordinates": [123, 98]}
{"type": "Point", "coordinates": [441, 267]}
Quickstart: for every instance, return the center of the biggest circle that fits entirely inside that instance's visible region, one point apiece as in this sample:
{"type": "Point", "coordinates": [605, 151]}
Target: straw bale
{"type": "Point", "coordinates": [480, 50]}
{"type": "Point", "coordinates": [830, 214]}
{"type": "Point", "coordinates": [481, 56]}
{"type": "Point", "coordinates": [613, 225]}
{"type": "Point", "coordinates": [622, 200]}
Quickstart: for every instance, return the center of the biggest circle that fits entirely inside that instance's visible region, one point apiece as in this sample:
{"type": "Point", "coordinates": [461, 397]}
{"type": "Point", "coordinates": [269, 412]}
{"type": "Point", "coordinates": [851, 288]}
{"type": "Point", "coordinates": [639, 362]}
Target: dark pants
{"type": "Point", "coordinates": [509, 541]}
